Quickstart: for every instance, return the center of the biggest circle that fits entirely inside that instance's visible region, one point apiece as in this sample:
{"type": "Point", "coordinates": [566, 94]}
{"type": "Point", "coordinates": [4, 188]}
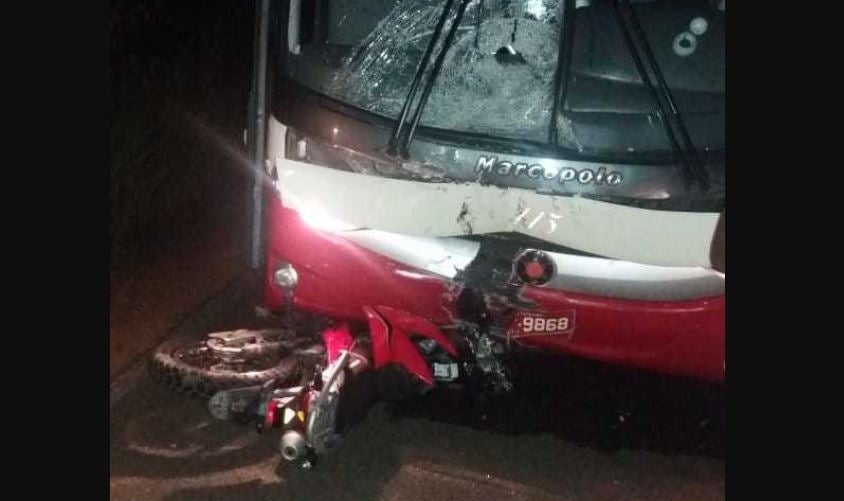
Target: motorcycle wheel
{"type": "Point", "coordinates": [202, 367]}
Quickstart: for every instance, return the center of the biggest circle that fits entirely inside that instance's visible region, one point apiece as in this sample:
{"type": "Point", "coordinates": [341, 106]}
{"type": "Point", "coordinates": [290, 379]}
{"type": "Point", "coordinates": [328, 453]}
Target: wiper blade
{"type": "Point", "coordinates": [402, 141]}
{"type": "Point", "coordinates": [696, 164]}
{"type": "Point", "coordinates": [429, 85]}
{"type": "Point", "coordinates": [561, 77]}
{"type": "Point", "coordinates": [417, 79]}
{"type": "Point", "coordinates": [692, 167]}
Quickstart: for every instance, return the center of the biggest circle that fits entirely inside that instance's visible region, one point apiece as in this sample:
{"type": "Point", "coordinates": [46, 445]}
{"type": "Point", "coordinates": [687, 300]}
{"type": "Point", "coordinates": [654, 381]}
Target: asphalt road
{"type": "Point", "coordinates": [167, 447]}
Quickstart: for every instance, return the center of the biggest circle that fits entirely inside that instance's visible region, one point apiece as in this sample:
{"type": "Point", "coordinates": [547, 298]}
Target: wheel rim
{"type": "Point", "coordinates": [256, 352]}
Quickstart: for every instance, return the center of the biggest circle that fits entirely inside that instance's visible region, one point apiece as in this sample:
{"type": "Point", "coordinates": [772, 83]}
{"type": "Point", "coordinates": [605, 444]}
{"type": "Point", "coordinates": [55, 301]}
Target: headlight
{"type": "Point", "coordinates": [314, 151]}
{"type": "Point", "coordinates": [323, 154]}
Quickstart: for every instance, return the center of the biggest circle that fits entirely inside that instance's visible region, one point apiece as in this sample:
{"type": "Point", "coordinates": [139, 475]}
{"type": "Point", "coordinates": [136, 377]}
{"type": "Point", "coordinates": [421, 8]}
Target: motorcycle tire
{"type": "Point", "coordinates": [195, 375]}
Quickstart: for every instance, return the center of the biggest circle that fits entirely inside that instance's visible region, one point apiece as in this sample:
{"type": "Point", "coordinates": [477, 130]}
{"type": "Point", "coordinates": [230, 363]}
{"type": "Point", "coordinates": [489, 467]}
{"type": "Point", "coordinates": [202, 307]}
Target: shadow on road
{"type": "Point", "coordinates": [595, 405]}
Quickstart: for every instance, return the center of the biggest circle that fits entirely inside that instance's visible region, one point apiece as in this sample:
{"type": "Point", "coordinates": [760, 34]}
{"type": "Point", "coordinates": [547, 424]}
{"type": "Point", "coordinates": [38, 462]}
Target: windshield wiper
{"type": "Point", "coordinates": [401, 137]}
{"type": "Point", "coordinates": [420, 71]}
{"type": "Point", "coordinates": [697, 165]}
{"type": "Point", "coordinates": [692, 166]}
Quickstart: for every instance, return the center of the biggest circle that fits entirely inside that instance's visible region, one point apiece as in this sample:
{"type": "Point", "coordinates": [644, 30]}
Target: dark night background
{"type": "Point", "coordinates": [177, 202]}
{"type": "Point", "coordinates": [169, 60]}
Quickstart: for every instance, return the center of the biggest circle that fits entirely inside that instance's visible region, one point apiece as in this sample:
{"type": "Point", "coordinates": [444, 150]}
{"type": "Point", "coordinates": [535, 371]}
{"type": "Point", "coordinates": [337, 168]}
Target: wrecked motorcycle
{"type": "Point", "coordinates": [563, 191]}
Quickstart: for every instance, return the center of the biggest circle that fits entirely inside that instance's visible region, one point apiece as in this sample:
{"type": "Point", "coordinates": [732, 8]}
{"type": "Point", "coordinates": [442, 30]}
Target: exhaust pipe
{"type": "Point", "coordinates": [293, 445]}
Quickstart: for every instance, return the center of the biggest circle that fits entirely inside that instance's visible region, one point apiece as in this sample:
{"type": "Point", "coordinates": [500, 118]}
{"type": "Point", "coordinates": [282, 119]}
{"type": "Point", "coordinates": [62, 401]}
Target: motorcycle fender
{"type": "Point", "coordinates": [390, 330]}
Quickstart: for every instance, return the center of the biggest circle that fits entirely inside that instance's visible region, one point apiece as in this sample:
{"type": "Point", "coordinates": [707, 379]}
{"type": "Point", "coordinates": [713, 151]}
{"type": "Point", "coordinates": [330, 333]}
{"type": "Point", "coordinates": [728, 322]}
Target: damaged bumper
{"type": "Point", "coordinates": [355, 240]}
{"type": "Point", "coordinates": [335, 200]}
{"type": "Point", "coordinates": [658, 318]}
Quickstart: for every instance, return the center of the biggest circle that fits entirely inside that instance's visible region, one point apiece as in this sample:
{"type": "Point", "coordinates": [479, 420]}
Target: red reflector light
{"type": "Point", "coordinates": [534, 267]}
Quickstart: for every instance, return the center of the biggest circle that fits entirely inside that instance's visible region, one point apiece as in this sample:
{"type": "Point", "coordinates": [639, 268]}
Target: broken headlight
{"type": "Point", "coordinates": [314, 151]}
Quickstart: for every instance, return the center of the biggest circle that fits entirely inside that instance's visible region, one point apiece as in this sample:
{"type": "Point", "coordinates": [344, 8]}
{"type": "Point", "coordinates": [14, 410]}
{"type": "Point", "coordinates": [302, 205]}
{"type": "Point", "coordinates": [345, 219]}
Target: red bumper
{"type": "Point", "coordinates": [338, 278]}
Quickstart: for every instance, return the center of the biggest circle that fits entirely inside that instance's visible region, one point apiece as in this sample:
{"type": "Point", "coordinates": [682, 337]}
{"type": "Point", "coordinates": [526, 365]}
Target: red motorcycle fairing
{"type": "Point", "coordinates": [390, 330]}
{"type": "Point", "coordinates": [339, 278]}
{"type": "Point", "coordinates": [337, 339]}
